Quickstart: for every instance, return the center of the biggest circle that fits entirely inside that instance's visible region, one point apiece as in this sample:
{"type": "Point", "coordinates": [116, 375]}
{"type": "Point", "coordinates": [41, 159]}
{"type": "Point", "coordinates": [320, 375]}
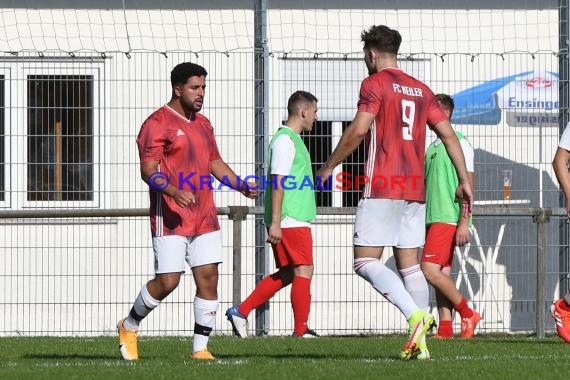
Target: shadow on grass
{"type": "Point", "coordinates": [388, 357]}
{"type": "Point", "coordinates": [272, 356]}
{"type": "Point", "coordinates": [501, 338]}
{"type": "Point", "coordinates": [69, 356]}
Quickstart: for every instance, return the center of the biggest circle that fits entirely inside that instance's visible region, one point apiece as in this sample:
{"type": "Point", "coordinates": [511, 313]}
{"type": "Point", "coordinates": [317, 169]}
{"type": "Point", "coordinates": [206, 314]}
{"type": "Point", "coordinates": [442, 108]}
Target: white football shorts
{"type": "Point", "coordinates": [171, 252]}
{"type": "Point", "coordinates": [390, 223]}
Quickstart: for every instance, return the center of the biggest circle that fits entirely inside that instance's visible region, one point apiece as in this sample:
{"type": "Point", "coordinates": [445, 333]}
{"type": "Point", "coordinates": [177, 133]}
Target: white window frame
{"type": "Point", "coordinates": [5, 70]}
{"type": "Point", "coordinates": [16, 181]}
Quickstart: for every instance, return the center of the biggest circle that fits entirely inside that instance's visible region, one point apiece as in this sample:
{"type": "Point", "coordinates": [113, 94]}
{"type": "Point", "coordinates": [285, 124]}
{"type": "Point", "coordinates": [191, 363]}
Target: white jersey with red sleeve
{"type": "Point", "coordinates": [402, 106]}
{"type": "Point", "coordinates": [184, 149]}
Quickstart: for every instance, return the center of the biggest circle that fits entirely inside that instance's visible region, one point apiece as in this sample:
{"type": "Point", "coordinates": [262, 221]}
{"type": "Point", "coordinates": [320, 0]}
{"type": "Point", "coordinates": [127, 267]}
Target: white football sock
{"type": "Point", "coordinates": [205, 312]}
{"type": "Point", "coordinates": [416, 284]}
{"type": "Point", "coordinates": [144, 304]}
{"type": "Point", "coordinates": [387, 283]}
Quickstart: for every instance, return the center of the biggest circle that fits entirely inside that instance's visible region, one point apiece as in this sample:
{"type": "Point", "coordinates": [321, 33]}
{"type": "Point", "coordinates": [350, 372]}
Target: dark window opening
{"type": "Point", "coordinates": [353, 166]}
{"type": "Point", "coordinates": [319, 144]}
{"type": "Point", "coordinates": [60, 137]}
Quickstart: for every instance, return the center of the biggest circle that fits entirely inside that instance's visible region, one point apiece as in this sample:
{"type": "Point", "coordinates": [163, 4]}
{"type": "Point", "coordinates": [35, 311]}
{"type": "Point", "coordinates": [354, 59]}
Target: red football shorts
{"type": "Point", "coordinates": [440, 244]}
{"type": "Point", "coordinates": [295, 247]}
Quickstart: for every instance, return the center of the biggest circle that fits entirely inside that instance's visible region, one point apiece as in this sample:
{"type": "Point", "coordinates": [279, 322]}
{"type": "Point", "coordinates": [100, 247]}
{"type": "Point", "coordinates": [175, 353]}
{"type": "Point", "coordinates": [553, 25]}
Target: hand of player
{"type": "Point", "coordinates": [568, 210]}
{"type": "Point", "coordinates": [183, 198]}
{"type": "Point", "coordinates": [465, 194]}
{"type": "Point", "coordinates": [323, 175]}
{"type": "Point", "coordinates": [250, 190]}
{"type": "Point", "coordinates": [462, 235]}
{"type": "Point", "coordinates": [274, 233]}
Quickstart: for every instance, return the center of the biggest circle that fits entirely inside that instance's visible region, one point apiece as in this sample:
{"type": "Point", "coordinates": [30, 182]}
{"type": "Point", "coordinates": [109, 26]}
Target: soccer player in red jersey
{"type": "Point", "coordinates": [560, 309]}
{"type": "Point", "coordinates": [178, 154]}
{"type": "Point", "coordinates": [393, 110]}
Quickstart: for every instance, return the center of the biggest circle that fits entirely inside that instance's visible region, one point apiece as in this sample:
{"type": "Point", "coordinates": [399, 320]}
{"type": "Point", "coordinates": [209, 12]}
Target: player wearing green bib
{"type": "Point", "coordinates": [289, 209]}
{"type": "Point", "coordinates": [446, 229]}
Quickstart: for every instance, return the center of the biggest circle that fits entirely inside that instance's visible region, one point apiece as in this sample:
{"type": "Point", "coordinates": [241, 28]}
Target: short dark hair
{"type": "Point", "coordinates": [297, 99]}
{"type": "Point", "coordinates": [381, 38]}
{"type": "Point", "coordinates": [446, 102]}
{"type": "Point", "coordinates": [183, 71]}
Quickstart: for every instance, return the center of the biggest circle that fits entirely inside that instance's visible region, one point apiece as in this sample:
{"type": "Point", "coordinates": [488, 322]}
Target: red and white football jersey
{"type": "Point", "coordinates": [402, 106]}
{"type": "Point", "coordinates": [184, 149]}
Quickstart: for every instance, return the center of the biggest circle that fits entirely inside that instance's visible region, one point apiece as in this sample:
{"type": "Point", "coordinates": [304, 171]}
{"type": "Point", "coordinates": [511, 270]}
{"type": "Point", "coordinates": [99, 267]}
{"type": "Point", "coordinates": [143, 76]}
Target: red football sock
{"type": "Point", "coordinates": [463, 309]}
{"type": "Point", "coordinates": [301, 302]}
{"type": "Point", "coordinates": [261, 294]}
{"type": "Point", "coordinates": [445, 328]}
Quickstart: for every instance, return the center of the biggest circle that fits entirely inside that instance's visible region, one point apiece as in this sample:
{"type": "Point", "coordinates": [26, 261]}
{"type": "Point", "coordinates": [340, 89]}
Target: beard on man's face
{"type": "Point", "coordinates": [194, 106]}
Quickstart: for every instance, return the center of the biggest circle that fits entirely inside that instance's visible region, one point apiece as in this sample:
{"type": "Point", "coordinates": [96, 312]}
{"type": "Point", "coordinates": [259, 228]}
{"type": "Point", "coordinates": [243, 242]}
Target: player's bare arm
{"type": "Point", "coordinates": [221, 171]}
{"type": "Point", "coordinates": [349, 141]}
{"type": "Point", "coordinates": [277, 193]}
{"type": "Point", "coordinates": [462, 235]}
{"type": "Point", "coordinates": [181, 197]}
{"type": "Point", "coordinates": [560, 166]}
{"type": "Point", "coordinates": [445, 132]}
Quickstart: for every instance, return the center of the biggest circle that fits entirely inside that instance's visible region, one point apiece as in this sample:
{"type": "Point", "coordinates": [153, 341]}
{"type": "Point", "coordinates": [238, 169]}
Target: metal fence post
{"type": "Point", "coordinates": [541, 217]}
{"type": "Point", "coordinates": [261, 104]}
{"type": "Point", "coordinates": [563, 119]}
{"type": "Point", "coordinates": [237, 215]}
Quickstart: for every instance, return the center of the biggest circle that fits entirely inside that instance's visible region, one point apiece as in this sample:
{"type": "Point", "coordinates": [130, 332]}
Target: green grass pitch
{"type": "Point", "coordinates": [369, 357]}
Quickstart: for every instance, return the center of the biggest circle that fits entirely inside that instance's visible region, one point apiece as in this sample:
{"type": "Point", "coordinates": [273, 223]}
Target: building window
{"type": "Point", "coordinates": [319, 144]}
{"type": "Point", "coordinates": [60, 137]}
{"type": "Point", "coordinates": [353, 166]}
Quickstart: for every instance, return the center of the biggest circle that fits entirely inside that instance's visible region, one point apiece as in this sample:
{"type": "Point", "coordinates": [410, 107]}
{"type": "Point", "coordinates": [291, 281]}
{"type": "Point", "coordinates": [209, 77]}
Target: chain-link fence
{"type": "Point", "coordinates": [77, 82]}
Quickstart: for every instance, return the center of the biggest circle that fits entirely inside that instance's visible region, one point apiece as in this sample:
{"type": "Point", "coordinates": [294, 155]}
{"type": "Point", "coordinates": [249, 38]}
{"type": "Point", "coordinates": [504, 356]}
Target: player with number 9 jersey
{"type": "Point", "coordinates": [402, 106]}
{"type": "Point", "coordinates": [393, 110]}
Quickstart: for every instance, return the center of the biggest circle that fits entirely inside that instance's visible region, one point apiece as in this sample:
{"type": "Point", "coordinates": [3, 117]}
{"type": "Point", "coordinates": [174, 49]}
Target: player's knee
{"type": "Point", "coordinates": [168, 284]}
{"type": "Point", "coordinates": [284, 274]}
{"type": "Point", "coordinates": [361, 265]}
{"type": "Point", "coordinates": [303, 271]}
{"type": "Point", "coordinates": [431, 273]}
